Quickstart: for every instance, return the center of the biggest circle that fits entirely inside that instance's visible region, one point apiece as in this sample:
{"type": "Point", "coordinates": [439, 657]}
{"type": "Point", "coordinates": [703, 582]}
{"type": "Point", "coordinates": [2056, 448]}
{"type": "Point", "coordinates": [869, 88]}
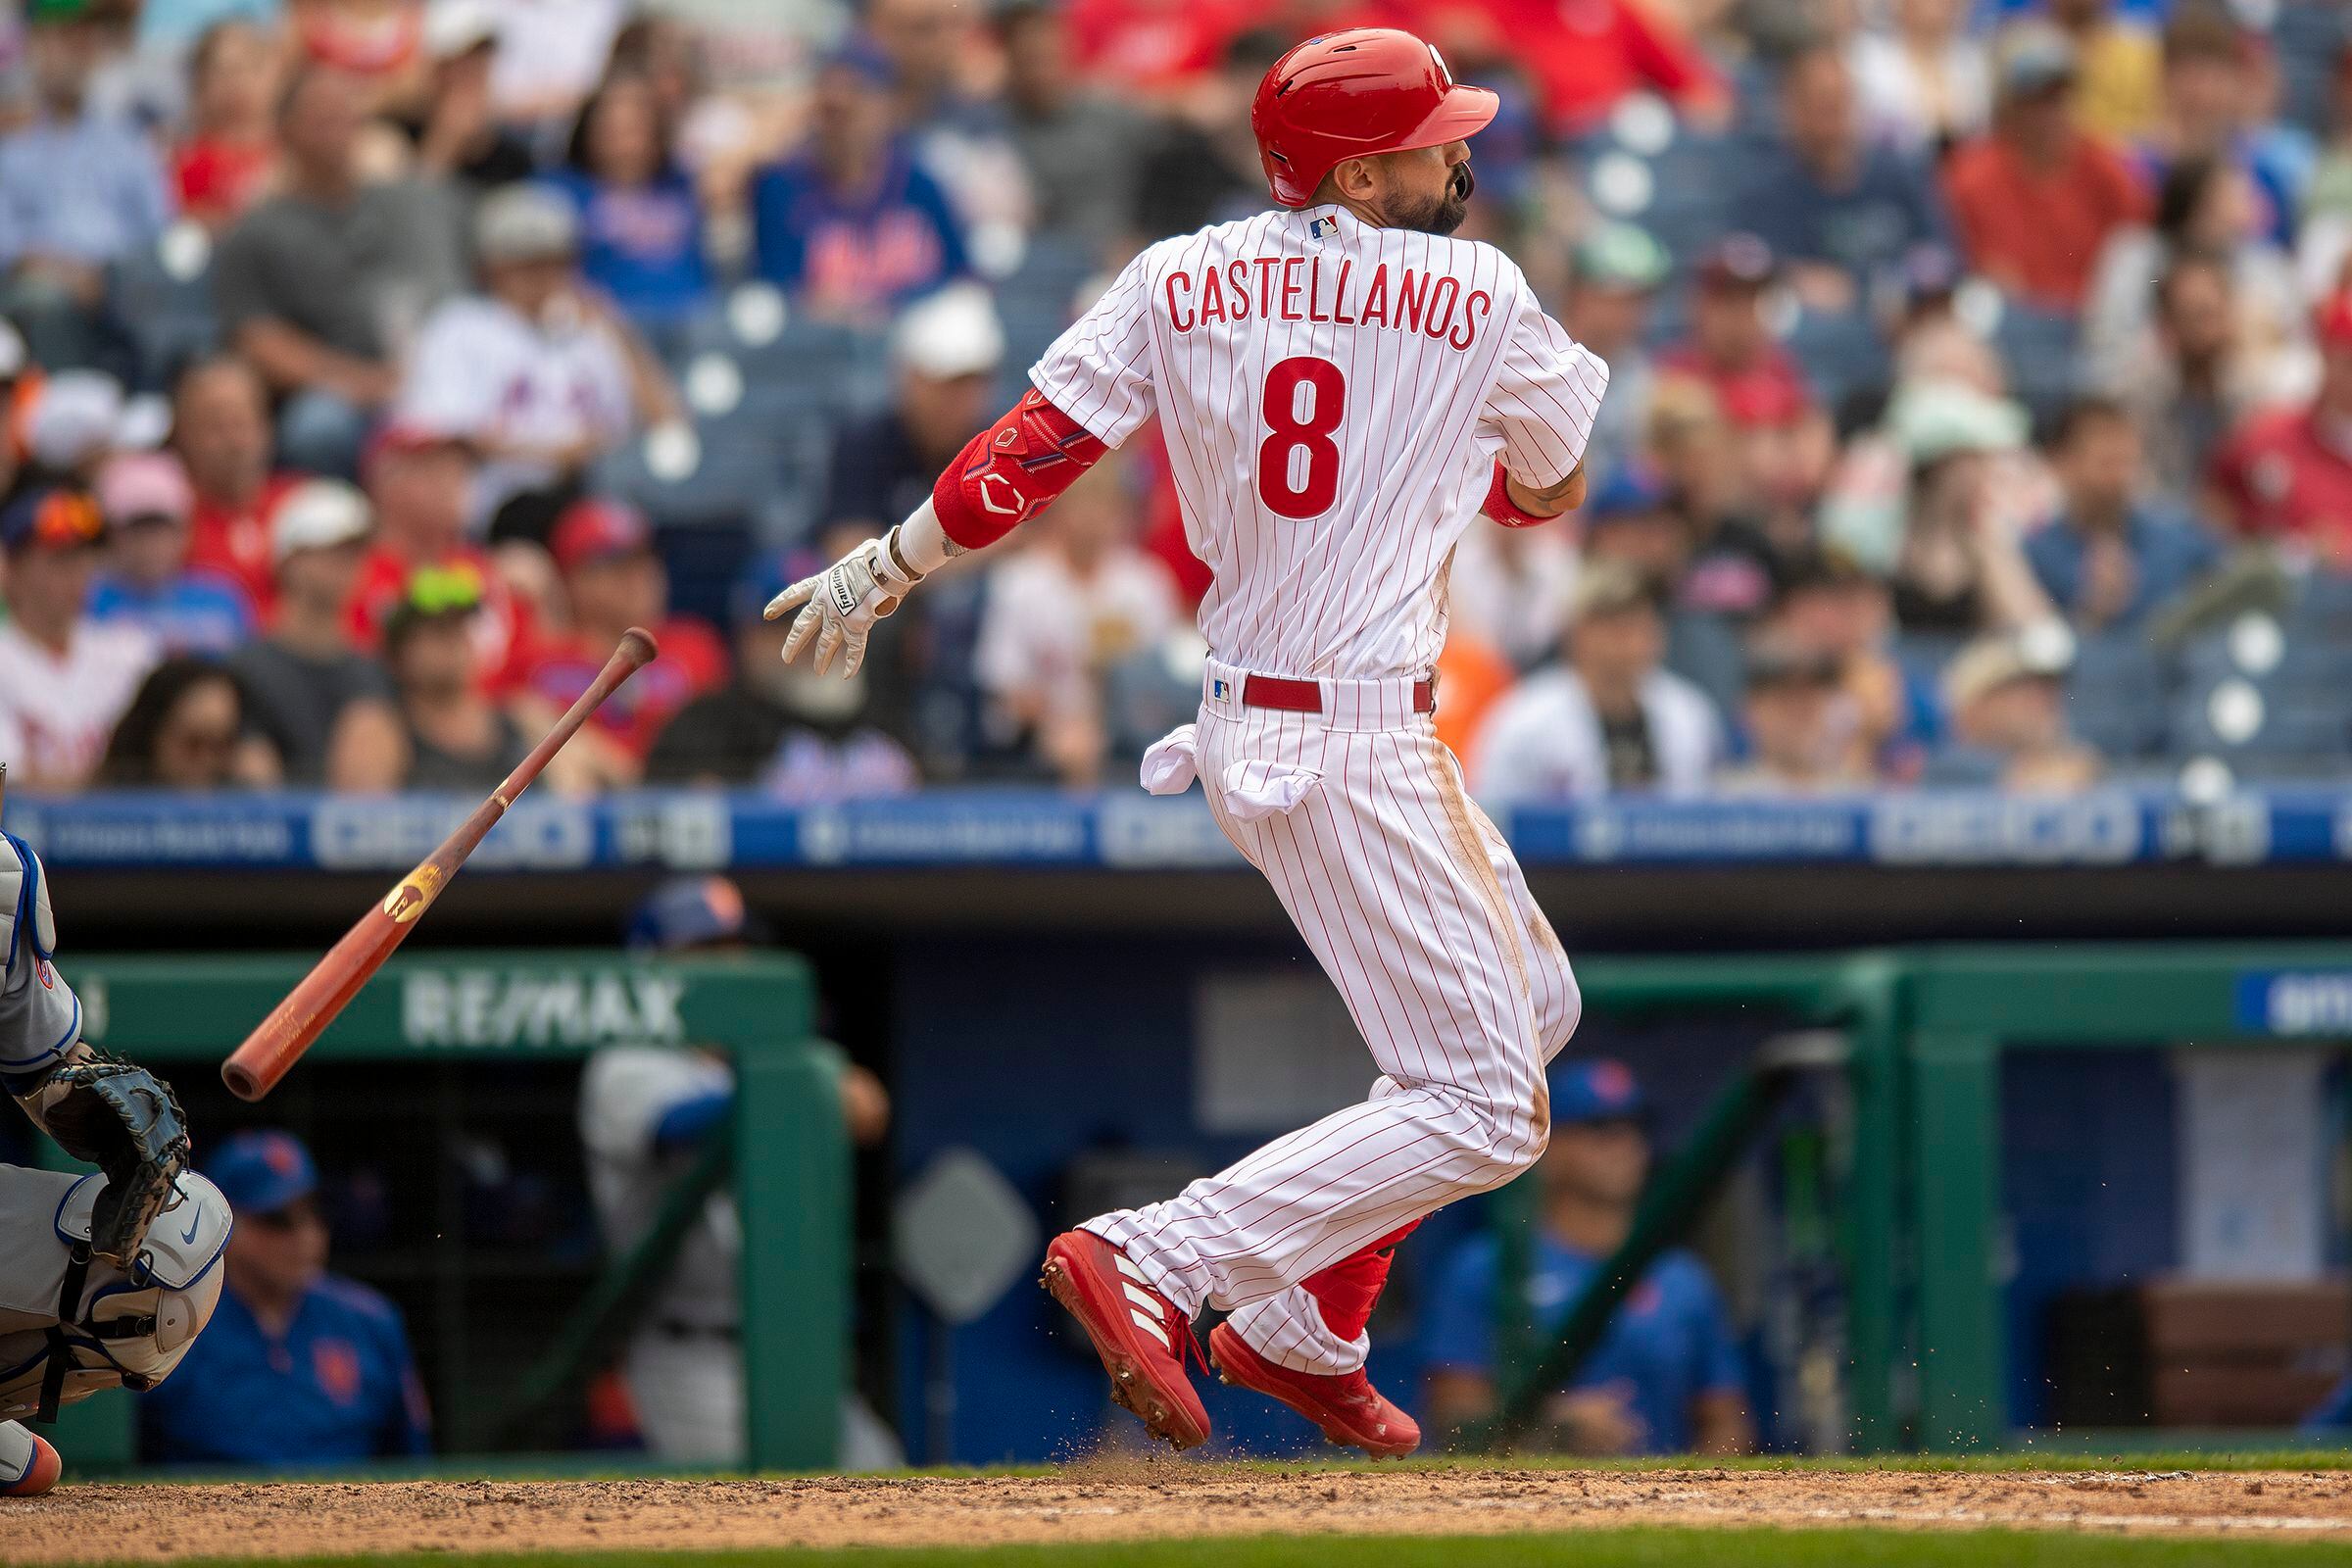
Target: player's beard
{"type": "Point", "coordinates": [1443, 215]}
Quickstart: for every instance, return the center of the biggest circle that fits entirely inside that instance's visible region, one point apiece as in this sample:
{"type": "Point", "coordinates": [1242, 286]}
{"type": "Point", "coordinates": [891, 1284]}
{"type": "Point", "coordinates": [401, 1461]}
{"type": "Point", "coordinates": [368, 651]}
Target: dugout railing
{"type": "Point", "coordinates": [438, 1045]}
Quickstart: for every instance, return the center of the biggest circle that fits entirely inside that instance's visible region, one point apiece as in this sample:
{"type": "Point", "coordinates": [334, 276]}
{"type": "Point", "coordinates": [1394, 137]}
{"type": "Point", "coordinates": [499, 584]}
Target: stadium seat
{"type": "Point", "coordinates": [2114, 695]}
{"type": "Point", "coordinates": [2038, 348]}
{"type": "Point", "coordinates": [160, 296]}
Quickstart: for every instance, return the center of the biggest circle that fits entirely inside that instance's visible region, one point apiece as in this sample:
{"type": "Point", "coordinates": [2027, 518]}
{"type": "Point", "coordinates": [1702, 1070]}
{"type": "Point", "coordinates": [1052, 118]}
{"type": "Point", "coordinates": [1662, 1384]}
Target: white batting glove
{"type": "Point", "coordinates": [840, 605]}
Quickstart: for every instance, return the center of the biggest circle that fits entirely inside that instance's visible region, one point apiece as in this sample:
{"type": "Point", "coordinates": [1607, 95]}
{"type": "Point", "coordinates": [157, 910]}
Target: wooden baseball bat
{"type": "Point", "coordinates": [255, 1067]}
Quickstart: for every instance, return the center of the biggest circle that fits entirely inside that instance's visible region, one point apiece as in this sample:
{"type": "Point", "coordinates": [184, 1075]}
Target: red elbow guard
{"type": "Point", "coordinates": [1011, 471]}
{"type": "Point", "coordinates": [1499, 505]}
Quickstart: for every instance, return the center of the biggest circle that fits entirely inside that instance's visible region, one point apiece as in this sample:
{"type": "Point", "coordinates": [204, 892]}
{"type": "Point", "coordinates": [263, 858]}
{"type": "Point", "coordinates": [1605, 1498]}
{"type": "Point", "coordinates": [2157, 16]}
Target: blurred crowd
{"type": "Point", "coordinates": [1981, 409]}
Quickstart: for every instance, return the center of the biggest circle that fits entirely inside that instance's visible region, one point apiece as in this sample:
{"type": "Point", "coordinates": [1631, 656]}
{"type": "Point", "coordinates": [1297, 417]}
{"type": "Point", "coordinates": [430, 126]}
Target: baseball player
{"type": "Point", "coordinates": [106, 1278]}
{"type": "Point", "coordinates": [1341, 387]}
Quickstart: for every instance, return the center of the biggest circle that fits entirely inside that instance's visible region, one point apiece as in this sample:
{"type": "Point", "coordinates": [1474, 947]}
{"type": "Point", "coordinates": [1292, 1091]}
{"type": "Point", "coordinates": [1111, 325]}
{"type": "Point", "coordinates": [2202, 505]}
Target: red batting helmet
{"type": "Point", "coordinates": [1352, 95]}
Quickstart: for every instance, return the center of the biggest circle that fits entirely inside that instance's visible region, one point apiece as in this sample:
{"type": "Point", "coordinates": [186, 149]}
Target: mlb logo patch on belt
{"type": "Point", "coordinates": [1219, 690]}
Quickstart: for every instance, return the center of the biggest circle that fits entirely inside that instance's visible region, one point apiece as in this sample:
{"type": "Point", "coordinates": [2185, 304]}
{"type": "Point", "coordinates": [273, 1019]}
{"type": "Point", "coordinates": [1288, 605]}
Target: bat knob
{"type": "Point", "coordinates": [639, 645]}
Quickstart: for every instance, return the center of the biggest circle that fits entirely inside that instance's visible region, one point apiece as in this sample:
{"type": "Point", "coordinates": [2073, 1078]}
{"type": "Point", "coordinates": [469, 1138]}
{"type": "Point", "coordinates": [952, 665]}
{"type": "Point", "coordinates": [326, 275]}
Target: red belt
{"type": "Point", "coordinates": [1307, 695]}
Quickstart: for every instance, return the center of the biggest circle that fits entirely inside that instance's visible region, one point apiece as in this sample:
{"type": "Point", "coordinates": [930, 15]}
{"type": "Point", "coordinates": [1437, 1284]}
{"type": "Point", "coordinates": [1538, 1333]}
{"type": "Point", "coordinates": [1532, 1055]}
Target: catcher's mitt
{"type": "Point", "coordinates": [126, 1121]}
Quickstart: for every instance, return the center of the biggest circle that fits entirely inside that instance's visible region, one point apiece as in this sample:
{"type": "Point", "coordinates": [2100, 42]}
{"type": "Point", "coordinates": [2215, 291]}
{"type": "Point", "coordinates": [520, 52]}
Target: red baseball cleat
{"type": "Point", "coordinates": [1351, 1412]}
{"type": "Point", "coordinates": [1140, 1337]}
{"type": "Point", "coordinates": [41, 1466]}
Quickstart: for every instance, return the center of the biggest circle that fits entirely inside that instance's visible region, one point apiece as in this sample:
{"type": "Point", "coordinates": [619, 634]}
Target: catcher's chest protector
{"type": "Point", "coordinates": [121, 1331]}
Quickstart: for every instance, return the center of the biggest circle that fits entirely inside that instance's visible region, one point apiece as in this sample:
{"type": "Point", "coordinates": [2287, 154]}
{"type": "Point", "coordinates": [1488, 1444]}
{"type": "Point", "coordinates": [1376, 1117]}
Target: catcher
{"type": "Point", "coordinates": [105, 1278]}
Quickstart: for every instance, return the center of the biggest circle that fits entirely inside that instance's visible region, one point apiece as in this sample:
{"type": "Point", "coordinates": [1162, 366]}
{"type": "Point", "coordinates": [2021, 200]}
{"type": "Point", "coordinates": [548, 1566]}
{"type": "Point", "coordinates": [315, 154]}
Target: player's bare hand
{"type": "Point", "coordinates": [838, 606]}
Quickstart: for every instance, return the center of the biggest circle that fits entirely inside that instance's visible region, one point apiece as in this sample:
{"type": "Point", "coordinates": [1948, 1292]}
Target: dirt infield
{"type": "Point", "coordinates": [1128, 1500]}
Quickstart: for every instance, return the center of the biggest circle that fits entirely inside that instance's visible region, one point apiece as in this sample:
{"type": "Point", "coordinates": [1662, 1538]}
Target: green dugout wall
{"type": "Point", "coordinates": [1925, 1029]}
{"type": "Point", "coordinates": [791, 1160]}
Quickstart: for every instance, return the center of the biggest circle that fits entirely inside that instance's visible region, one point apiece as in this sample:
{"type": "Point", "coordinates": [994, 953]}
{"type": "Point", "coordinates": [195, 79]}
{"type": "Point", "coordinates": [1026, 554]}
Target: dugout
{"type": "Point", "coordinates": [449, 1070]}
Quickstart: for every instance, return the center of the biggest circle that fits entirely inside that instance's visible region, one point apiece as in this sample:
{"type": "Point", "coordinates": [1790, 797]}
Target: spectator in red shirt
{"type": "Point", "coordinates": [1582, 56]}
{"type": "Point", "coordinates": [2287, 474]}
{"type": "Point", "coordinates": [224, 165]}
{"type": "Point", "coordinates": [420, 481]}
{"type": "Point", "coordinates": [1757, 382]}
{"type": "Point", "coordinates": [2037, 198]}
{"type": "Point", "coordinates": [615, 580]}
{"type": "Point", "coordinates": [221, 427]}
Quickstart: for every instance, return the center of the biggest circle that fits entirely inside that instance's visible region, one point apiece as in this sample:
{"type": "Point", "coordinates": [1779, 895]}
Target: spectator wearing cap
{"type": "Point", "coordinates": [1058, 616]}
{"type": "Point", "coordinates": [456, 128]}
{"type": "Point", "coordinates": [1666, 1377]}
{"type": "Point", "coordinates": [1797, 726]}
{"type": "Point", "coordinates": [1083, 148]}
{"type": "Point", "coordinates": [2034, 198]}
{"type": "Point", "coordinates": [1608, 719]}
{"type": "Point", "coordinates": [1957, 561]}
{"type": "Point", "coordinates": [2120, 92]}
{"type": "Point", "coordinates": [646, 1113]}
{"type": "Point", "coordinates": [65, 678]}
{"type": "Point", "coordinates": [420, 482]}
{"type": "Point", "coordinates": [298, 1367]}
{"type": "Point", "coordinates": [614, 580]}
{"type": "Point", "coordinates": [149, 581]}
{"type": "Point", "coordinates": [1757, 382]}
{"type": "Point", "coordinates": [946, 351]}
{"type": "Point", "coordinates": [2117, 551]}
{"type": "Point", "coordinates": [534, 373]}
{"type": "Point", "coordinates": [73, 422]}
{"type": "Point", "coordinates": [1613, 283]}
{"type": "Point", "coordinates": [2007, 698]}
{"type": "Point", "coordinates": [850, 227]}
{"type": "Point", "coordinates": [324, 704]}
{"type": "Point", "coordinates": [640, 218]}
{"type": "Point", "coordinates": [1632, 520]}
{"type": "Point", "coordinates": [1829, 607]}
{"type": "Point", "coordinates": [797, 735]}
{"type": "Point", "coordinates": [319, 285]}
{"type": "Point", "coordinates": [2285, 474]}
{"type": "Point", "coordinates": [456, 738]}
{"type": "Point", "coordinates": [220, 432]}
{"type": "Point", "coordinates": [223, 165]}
{"type": "Point", "coordinates": [79, 190]}
{"type": "Point", "coordinates": [1922, 81]}
{"type": "Point", "coordinates": [1841, 213]}
{"type": "Point", "coordinates": [185, 731]}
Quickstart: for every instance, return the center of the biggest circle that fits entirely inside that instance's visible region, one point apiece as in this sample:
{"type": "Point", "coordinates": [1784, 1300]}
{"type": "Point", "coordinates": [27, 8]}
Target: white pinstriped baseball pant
{"type": "Point", "coordinates": [1410, 899]}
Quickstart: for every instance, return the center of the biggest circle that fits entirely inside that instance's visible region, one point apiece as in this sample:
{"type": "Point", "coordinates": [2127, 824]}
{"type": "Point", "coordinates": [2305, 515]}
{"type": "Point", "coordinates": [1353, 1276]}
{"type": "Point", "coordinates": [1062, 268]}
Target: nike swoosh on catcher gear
{"type": "Point", "coordinates": [1142, 1339]}
{"type": "Point", "coordinates": [1348, 1409]}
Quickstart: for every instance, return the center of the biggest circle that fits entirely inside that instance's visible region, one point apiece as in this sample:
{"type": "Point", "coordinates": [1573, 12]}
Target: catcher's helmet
{"type": "Point", "coordinates": [1351, 94]}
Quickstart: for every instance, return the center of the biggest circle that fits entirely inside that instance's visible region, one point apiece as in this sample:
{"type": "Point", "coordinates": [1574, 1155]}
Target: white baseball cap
{"type": "Point", "coordinates": [526, 222]}
{"type": "Point", "coordinates": [317, 515]}
{"type": "Point", "coordinates": [454, 27]}
{"type": "Point", "coordinates": [950, 332]}
{"type": "Point", "coordinates": [74, 418]}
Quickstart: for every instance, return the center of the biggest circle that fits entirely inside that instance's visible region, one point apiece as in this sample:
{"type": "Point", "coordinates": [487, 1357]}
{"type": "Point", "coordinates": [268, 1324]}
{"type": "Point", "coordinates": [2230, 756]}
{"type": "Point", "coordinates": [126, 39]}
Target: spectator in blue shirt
{"type": "Point", "coordinates": [641, 222]}
{"type": "Point", "coordinates": [1840, 214]}
{"type": "Point", "coordinates": [79, 188]}
{"type": "Point", "coordinates": [1666, 1378]}
{"type": "Point", "coordinates": [850, 227]}
{"type": "Point", "coordinates": [147, 500]}
{"type": "Point", "coordinates": [298, 1367]}
{"type": "Point", "coordinates": [2112, 553]}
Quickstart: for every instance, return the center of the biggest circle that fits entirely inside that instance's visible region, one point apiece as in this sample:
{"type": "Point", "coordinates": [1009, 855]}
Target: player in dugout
{"type": "Point", "coordinates": [1666, 1377]}
{"type": "Point", "coordinates": [301, 1368]}
{"type": "Point", "coordinates": [646, 1112]}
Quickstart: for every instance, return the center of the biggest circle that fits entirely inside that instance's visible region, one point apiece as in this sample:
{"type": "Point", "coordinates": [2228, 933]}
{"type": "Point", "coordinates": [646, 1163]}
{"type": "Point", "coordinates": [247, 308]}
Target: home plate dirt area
{"type": "Point", "coordinates": [1131, 1500]}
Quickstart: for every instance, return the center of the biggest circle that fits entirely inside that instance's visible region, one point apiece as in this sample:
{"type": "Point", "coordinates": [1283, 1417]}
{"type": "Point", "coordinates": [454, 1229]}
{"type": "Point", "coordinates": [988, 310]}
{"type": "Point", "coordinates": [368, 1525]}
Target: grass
{"type": "Point", "coordinates": [1591, 1549]}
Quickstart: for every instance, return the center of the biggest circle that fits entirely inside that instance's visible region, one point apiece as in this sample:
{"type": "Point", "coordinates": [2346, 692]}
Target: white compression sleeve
{"type": "Point", "coordinates": [922, 544]}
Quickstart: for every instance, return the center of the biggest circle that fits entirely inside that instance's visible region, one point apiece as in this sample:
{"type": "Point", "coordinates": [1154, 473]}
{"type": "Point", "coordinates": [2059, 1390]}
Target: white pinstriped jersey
{"type": "Point", "coordinates": [1333, 395]}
